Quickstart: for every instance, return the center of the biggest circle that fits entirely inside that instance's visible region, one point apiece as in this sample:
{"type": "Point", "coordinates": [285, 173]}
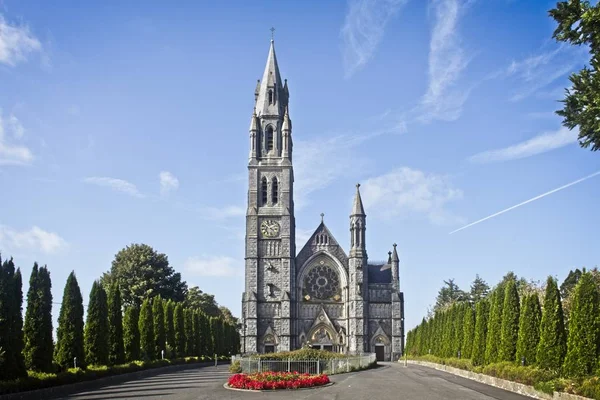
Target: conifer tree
{"type": "Point", "coordinates": [179, 326]}
{"type": "Point", "coordinates": [189, 331]}
{"type": "Point", "coordinates": [459, 321]}
{"type": "Point", "coordinates": [37, 330]}
{"type": "Point", "coordinates": [131, 333]}
{"type": "Point", "coordinates": [480, 338]}
{"type": "Point", "coordinates": [584, 329]}
{"type": "Point", "coordinates": [146, 326]}
{"type": "Point", "coordinates": [116, 350]}
{"type": "Point", "coordinates": [96, 327]}
{"type": "Point", "coordinates": [169, 310]}
{"type": "Point", "coordinates": [69, 334]}
{"type": "Point", "coordinates": [197, 333]}
{"type": "Point", "coordinates": [552, 347]}
{"type": "Point", "coordinates": [494, 330]}
{"type": "Point", "coordinates": [159, 326]}
{"type": "Point", "coordinates": [529, 329]}
{"type": "Point", "coordinates": [510, 323]}
{"type": "Point", "coordinates": [468, 332]}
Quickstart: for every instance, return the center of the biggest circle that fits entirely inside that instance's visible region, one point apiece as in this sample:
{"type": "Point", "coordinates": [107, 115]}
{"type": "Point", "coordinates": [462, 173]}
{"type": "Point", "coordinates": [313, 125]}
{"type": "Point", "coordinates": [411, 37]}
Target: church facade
{"type": "Point", "coordinates": [321, 296]}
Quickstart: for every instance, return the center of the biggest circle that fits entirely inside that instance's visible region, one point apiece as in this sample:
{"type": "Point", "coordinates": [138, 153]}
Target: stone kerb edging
{"type": "Point", "coordinates": [226, 386]}
{"type": "Point", "coordinates": [514, 387]}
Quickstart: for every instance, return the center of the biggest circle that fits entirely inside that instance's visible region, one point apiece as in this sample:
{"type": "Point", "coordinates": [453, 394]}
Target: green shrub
{"type": "Point", "coordinates": [235, 367]}
{"type": "Point", "coordinates": [302, 354]}
{"type": "Point", "coordinates": [590, 388]}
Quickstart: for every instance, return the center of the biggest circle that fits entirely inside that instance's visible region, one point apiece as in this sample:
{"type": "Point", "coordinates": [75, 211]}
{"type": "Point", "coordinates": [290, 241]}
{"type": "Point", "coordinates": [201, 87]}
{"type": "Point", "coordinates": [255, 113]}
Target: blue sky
{"type": "Point", "coordinates": [128, 122]}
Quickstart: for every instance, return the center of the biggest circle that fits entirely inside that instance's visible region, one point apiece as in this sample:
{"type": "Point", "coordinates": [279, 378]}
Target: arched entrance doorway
{"type": "Point", "coordinates": [322, 338]}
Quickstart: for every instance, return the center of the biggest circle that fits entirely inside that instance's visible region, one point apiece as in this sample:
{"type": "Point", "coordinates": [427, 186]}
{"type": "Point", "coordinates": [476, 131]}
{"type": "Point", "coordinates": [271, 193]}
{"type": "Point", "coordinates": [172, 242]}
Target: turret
{"type": "Point", "coordinates": [395, 263]}
{"type": "Point", "coordinates": [358, 225]}
{"type": "Point", "coordinates": [286, 130]}
{"type": "Point", "coordinates": [253, 135]}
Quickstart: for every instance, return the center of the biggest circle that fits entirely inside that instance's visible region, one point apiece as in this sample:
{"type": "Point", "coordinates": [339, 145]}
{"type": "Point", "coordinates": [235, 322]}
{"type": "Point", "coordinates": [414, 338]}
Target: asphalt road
{"type": "Point", "coordinates": [390, 381]}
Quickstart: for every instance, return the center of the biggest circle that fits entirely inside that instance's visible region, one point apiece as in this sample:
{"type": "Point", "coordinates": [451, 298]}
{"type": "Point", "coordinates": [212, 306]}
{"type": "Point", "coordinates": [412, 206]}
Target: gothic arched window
{"type": "Point", "coordinates": [263, 191]}
{"type": "Point", "coordinates": [274, 191]}
{"type": "Point", "coordinates": [269, 138]}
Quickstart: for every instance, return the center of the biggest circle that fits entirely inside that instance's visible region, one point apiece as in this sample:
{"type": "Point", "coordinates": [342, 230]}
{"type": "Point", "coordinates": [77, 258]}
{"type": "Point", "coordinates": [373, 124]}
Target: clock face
{"type": "Point", "coordinates": [269, 228]}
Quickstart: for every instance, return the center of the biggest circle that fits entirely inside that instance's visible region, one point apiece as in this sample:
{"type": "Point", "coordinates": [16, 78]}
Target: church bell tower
{"type": "Point", "coordinates": [267, 303]}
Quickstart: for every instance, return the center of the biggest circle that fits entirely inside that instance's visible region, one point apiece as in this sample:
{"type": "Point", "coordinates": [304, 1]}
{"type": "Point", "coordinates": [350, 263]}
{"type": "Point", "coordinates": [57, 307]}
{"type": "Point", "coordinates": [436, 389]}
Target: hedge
{"type": "Point", "coordinates": [42, 380]}
{"type": "Point", "coordinates": [302, 354]}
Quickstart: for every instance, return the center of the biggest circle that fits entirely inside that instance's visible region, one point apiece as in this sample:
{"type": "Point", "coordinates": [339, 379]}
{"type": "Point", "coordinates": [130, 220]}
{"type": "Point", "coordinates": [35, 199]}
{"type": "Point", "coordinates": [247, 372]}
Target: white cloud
{"type": "Point", "coordinates": [119, 185]}
{"type": "Point", "coordinates": [363, 29]}
{"type": "Point", "coordinates": [540, 70]}
{"type": "Point", "coordinates": [10, 153]}
{"type": "Point", "coordinates": [404, 192]}
{"type": "Point", "coordinates": [447, 60]}
{"type": "Point", "coordinates": [34, 239]}
{"type": "Point", "coordinates": [16, 43]}
{"type": "Point", "coordinates": [168, 182]}
{"type": "Point", "coordinates": [217, 266]}
{"type": "Point", "coordinates": [539, 144]}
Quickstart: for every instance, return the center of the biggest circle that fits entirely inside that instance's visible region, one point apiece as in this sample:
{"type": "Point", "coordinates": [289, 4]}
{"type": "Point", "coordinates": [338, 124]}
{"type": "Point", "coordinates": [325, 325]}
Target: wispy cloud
{"type": "Point", "coordinates": [168, 183]}
{"type": "Point", "coordinates": [215, 266]}
{"type": "Point", "coordinates": [405, 191]}
{"type": "Point", "coordinates": [537, 71]}
{"type": "Point", "coordinates": [318, 163]}
{"type": "Point", "coordinates": [528, 201]}
{"type": "Point", "coordinates": [12, 154]}
{"type": "Point", "coordinates": [16, 43]}
{"type": "Point", "coordinates": [34, 239]}
{"type": "Point", "coordinates": [363, 30]}
{"type": "Point", "coordinates": [539, 144]}
{"type": "Point", "coordinates": [118, 185]}
{"type": "Point", "coordinates": [444, 99]}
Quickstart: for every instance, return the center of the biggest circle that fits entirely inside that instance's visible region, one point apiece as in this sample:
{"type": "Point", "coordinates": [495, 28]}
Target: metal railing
{"type": "Point", "coordinates": [251, 365]}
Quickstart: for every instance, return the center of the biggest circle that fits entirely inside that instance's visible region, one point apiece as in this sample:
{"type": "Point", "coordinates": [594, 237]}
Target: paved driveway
{"type": "Point", "coordinates": [390, 381]}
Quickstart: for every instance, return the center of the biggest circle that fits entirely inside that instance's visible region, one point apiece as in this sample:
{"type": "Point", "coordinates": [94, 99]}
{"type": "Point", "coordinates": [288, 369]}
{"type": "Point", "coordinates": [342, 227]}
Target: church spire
{"type": "Point", "coordinates": [357, 207]}
{"type": "Point", "coordinates": [271, 98]}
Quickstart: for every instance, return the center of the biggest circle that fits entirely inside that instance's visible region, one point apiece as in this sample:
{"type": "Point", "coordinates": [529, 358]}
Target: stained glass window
{"type": "Point", "coordinates": [322, 283]}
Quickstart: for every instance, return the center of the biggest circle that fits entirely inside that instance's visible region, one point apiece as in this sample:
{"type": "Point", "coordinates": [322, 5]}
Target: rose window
{"type": "Point", "coordinates": [322, 283]}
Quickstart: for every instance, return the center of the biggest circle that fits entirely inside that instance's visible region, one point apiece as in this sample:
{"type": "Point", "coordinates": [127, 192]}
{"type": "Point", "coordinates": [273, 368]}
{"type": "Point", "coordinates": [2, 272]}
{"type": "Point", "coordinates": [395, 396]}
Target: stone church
{"type": "Point", "coordinates": [321, 296]}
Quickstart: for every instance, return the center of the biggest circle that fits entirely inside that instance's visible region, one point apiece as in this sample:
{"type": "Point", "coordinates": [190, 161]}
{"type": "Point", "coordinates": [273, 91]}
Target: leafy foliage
{"type": "Point", "coordinates": [578, 24]}
{"type": "Point", "coordinates": [468, 332]}
{"type": "Point", "coordinates": [584, 329]}
{"type": "Point", "coordinates": [196, 299]}
{"type": "Point", "coordinates": [481, 327]}
{"type": "Point", "coordinates": [146, 326]}
{"type": "Point", "coordinates": [96, 327]}
{"type": "Point", "coordinates": [169, 310]}
{"type": "Point", "coordinates": [116, 353]}
{"type": "Point", "coordinates": [179, 326]}
{"type": "Point", "coordinates": [144, 273]}
{"type": "Point", "coordinates": [553, 345]}
{"type": "Point", "coordinates": [69, 335]}
{"type": "Point", "coordinates": [159, 327]}
{"type": "Point", "coordinates": [448, 295]}
{"type": "Point", "coordinates": [479, 290]}
{"type": "Point", "coordinates": [494, 330]}
{"type": "Point", "coordinates": [37, 330]}
{"type": "Point", "coordinates": [131, 333]}
{"type": "Point", "coordinates": [529, 330]}
{"type": "Point", "coordinates": [510, 323]}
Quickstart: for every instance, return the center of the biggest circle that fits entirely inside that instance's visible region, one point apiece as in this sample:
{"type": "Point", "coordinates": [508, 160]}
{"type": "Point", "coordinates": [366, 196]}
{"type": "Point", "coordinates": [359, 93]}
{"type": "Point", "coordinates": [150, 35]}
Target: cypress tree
{"type": "Point", "coordinates": [169, 307]}
{"type": "Point", "coordinates": [459, 321]}
{"type": "Point", "coordinates": [12, 364]}
{"type": "Point", "coordinates": [116, 351]}
{"type": "Point", "coordinates": [31, 340]}
{"type": "Point", "coordinates": [96, 327]}
{"type": "Point", "coordinates": [197, 333]}
{"type": "Point", "coordinates": [529, 329]}
{"type": "Point", "coordinates": [189, 331]}
{"type": "Point", "coordinates": [146, 327]}
{"type": "Point", "coordinates": [468, 332]}
{"type": "Point", "coordinates": [480, 338]}
{"type": "Point", "coordinates": [179, 326]}
{"type": "Point", "coordinates": [510, 323]}
{"type": "Point", "coordinates": [69, 334]}
{"type": "Point", "coordinates": [158, 315]}
{"type": "Point", "coordinates": [37, 330]}
{"type": "Point", "coordinates": [552, 347]}
{"type": "Point", "coordinates": [494, 330]}
{"type": "Point", "coordinates": [584, 330]}
{"type": "Point", "coordinates": [131, 333]}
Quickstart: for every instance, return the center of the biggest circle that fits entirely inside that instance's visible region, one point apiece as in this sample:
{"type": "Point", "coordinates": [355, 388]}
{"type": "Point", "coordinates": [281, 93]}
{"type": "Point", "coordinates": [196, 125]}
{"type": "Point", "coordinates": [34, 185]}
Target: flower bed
{"type": "Point", "coordinates": [276, 380]}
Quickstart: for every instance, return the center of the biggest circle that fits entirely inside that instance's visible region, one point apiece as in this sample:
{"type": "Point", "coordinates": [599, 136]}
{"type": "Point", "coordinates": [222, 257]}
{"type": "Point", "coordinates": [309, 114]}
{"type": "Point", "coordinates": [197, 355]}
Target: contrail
{"type": "Point", "coordinates": [528, 201]}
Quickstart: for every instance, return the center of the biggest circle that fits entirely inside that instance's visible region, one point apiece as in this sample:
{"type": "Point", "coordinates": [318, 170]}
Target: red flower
{"type": "Point", "coordinates": [276, 380]}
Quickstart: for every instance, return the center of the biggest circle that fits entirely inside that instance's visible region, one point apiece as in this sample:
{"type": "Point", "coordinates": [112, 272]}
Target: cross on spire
{"type": "Point", "coordinates": [272, 33]}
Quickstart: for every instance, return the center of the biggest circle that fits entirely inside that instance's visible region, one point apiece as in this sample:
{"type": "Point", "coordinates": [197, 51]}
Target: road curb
{"type": "Point", "coordinates": [510, 386]}
{"type": "Point", "coordinates": [71, 388]}
{"type": "Point", "coordinates": [226, 386]}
